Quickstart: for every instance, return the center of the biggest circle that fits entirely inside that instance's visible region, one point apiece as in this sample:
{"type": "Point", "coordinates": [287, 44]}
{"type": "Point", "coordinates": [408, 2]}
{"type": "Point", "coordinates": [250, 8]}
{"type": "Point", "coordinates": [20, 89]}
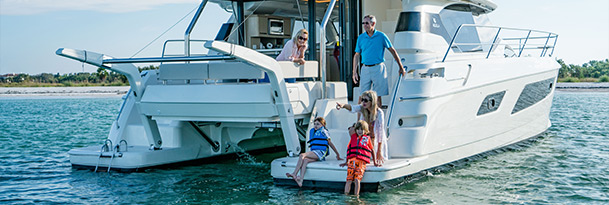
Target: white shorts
{"type": "Point", "coordinates": [375, 77]}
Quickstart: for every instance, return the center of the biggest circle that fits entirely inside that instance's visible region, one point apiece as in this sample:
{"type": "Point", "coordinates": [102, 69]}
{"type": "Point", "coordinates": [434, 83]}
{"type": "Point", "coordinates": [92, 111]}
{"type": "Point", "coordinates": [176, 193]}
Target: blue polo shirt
{"type": "Point", "coordinates": [372, 49]}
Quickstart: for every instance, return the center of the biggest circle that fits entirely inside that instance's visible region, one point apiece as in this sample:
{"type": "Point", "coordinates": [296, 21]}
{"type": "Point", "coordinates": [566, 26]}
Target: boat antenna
{"type": "Point", "coordinates": [164, 32]}
{"type": "Point", "coordinates": [301, 18]}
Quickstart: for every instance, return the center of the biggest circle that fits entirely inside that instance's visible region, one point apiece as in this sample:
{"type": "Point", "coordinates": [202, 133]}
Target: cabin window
{"type": "Point", "coordinates": [422, 22]}
{"type": "Point", "coordinates": [444, 24]}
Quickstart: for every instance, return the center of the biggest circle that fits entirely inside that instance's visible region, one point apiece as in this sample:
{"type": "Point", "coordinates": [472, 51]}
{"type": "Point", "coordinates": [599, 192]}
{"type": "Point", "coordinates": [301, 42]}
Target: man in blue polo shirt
{"type": "Point", "coordinates": [371, 47]}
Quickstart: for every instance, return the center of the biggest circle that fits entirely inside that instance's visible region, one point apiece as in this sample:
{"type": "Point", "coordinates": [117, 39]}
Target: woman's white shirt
{"type": "Point", "coordinates": [379, 129]}
{"type": "Point", "coordinates": [290, 51]}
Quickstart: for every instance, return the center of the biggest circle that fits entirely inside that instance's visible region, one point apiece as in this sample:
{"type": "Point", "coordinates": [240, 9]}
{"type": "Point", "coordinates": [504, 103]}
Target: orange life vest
{"type": "Point", "coordinates": [359, 148]}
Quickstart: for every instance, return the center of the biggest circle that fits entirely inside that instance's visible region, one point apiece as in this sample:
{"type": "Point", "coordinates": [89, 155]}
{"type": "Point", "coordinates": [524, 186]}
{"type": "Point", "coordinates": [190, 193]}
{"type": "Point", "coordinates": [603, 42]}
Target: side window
{"type": "Point", "coordinates": [467, 40]}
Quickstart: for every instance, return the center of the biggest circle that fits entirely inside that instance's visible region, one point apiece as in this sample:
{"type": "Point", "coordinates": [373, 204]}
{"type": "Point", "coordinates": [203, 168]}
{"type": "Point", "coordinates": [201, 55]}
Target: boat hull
{"type": "Point", "coordinates": [457, 124]}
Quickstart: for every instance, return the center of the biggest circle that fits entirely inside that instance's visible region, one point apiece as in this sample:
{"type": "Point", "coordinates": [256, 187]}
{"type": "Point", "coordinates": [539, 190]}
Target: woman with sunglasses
{"type": "Point", "coordinates": [374, 116]}
{"type": "Point", "coordinates": [295, 48]}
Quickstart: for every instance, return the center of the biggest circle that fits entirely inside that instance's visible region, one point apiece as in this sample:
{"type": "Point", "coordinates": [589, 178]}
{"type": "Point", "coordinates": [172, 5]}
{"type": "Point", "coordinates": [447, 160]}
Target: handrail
{"type": "Point", "coordinates": [322, 47]}
{"type": "Point", "coordinates": [493, 44]}
{"type": "Point", "coordinates": [554, 46]}
{"type": "Point", "coordinates": [179, 40]}
{"type": "Point", "coordinates": [120, 111]}
{"type": "Point", "coordinates": [451, 42]}
{"type": "Point", "coordinates": [167, 59]}
{"type": "Point", "coordinates": [537, 37]}
{"type": "Point", "coordinates": [395, 94]}
{"type": "Point", "coordinates": [524, 44]}
{"type": "Point", "coordinates": [521, 48]}
{"type": "Point", "coordinates": [545, 48]}
{"type": "Point", "coordinates": [191, 26]}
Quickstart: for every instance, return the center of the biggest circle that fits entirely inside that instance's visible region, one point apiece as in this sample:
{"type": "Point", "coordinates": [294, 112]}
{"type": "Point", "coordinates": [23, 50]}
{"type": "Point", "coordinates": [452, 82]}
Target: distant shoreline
{"type": "Point", "coordinates": [591, 87]}
{"type": "Point", "coordinates": [122, 90]}
{"type": "Point", "coordinates": [101, 91]}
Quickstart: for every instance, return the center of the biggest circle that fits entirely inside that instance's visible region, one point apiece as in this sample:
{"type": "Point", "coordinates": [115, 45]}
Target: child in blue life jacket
{"type": "Point", "coordinates": [319, 140]}
{"type": "Point", "coordinates": [359, 154]}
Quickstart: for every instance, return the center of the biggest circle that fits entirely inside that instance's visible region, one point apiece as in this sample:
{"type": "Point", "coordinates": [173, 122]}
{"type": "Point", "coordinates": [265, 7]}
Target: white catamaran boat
{"type": "Point", "coordinates": [470, 88]}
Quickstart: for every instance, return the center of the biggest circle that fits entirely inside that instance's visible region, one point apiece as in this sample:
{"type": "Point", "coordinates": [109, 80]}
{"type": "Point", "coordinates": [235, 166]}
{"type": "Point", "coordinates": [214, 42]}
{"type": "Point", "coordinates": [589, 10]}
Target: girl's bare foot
{"type": "Point", "coordinates": [299, 182]}
{"type": "Point", "coordinates": [289, 175]}
{"type": "Point", "coordinates": [295, 177]}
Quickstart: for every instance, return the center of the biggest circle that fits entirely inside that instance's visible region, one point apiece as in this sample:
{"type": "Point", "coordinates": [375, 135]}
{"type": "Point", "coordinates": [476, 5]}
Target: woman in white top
{"type": "Point", "coordinates": [295, 48]}
{"type": "Point", "coordinates": [375, 117]}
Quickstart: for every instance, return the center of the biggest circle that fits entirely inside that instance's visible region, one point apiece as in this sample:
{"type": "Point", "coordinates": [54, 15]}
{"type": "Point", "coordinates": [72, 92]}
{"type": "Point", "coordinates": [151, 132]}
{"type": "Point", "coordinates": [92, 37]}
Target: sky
{"type": "Point", "coordinates": [32, 30]}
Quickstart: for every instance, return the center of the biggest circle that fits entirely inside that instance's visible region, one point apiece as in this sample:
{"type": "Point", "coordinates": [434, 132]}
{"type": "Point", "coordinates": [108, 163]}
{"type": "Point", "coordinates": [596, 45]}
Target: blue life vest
{"type": "Point", "coordinates": [318, 139]}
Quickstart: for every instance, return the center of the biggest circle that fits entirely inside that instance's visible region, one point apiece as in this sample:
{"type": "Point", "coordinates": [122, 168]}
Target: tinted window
{"type": "Point", "coordinates": [421, 22]}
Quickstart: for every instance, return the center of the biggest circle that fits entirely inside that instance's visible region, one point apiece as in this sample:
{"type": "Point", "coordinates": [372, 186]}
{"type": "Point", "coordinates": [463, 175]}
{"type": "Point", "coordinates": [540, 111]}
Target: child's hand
{"type": "Point", "coordinates": [343, 164]}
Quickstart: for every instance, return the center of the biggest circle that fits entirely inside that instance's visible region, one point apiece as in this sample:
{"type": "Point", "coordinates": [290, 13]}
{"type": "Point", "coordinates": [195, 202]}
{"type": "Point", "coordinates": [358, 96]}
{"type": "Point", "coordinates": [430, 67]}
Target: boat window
{"type": "Point", "coordinates": [224, 32]}
{"type": "Point", "coordinates": [468, 8]}
{"type": "Point", "coordinates": [468, 39]}
{"type": "Point", "coordinates": [422, 22]}
{"type": "Point", "coordinates": [444, 24]}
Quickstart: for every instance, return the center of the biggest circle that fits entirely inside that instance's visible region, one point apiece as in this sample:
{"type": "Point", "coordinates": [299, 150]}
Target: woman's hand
{"type": "Point", "coordinates": [379, 158]}
{"type": "Point", "coordinates": [299, 61]}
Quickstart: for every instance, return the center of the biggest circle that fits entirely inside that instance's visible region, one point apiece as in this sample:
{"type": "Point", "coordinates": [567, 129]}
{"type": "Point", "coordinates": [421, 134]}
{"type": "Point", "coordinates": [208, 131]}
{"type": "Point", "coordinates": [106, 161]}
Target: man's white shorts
{"type": "Point", "coordinates": [375, 77]}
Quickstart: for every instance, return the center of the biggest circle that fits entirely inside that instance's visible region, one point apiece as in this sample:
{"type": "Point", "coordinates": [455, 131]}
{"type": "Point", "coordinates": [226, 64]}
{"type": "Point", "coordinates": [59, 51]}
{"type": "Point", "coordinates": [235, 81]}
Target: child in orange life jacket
{"type": "Point", "coordinates": [359, 153]}
{"type": "Point", "coordinates": [319, 140]}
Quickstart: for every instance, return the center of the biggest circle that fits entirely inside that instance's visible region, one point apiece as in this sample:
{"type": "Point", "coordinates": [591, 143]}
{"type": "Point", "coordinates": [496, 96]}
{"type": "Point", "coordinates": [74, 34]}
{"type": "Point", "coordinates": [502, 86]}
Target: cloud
{"type": "Point", "coordinates": [29, 7]}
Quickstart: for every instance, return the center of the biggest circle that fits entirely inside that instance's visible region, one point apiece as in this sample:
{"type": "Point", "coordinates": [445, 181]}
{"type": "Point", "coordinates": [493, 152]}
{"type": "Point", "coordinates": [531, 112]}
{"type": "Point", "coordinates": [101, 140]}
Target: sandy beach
{"type": "Point", "coordinates": [63, 91]}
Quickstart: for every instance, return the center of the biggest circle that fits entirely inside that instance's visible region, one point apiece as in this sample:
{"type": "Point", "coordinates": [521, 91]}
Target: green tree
{"type": "Point", "coordinates": [102, 74]}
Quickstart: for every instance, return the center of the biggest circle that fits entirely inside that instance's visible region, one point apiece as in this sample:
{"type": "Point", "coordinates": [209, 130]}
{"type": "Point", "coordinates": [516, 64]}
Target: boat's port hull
{"type": "Point", "coordinates": [81, 158]}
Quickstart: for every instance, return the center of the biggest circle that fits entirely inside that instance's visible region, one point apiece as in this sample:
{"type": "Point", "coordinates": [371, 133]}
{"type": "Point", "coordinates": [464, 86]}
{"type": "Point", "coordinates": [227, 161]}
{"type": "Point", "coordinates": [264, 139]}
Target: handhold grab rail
{"type": "Point", "coordinates": [121, 142]}
{"type": "Point", "coordinates": [167, 59]}
{"type": "Point", "coordinates": [108, 147]}
{"type": "Point", "coordinates": [395, 94]}
{"type": "Point", "coordinates": [191, 26]}
{"type": "Point", "coordinates": [322, 47]}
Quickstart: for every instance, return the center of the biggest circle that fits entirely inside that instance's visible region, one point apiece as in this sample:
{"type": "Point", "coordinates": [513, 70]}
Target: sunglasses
{"type": "Point", "coordinates": [301, 38]}
{"type": "Point", "coordinates": [365, 100]}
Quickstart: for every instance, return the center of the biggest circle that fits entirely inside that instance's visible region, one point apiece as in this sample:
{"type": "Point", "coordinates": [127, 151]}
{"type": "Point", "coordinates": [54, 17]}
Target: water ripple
{"type": "Point", "coordinates": [569, 164]}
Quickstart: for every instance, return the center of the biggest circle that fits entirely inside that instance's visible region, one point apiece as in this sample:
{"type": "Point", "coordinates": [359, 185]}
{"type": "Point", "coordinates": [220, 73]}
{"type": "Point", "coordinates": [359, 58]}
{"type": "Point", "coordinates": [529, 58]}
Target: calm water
{"type": "Point", "coordinates": [568, 164]}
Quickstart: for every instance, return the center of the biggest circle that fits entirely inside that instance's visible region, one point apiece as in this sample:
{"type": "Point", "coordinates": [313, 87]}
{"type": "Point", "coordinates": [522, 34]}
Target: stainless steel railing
{"type": "Point", "coordinates": [512, 36]}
